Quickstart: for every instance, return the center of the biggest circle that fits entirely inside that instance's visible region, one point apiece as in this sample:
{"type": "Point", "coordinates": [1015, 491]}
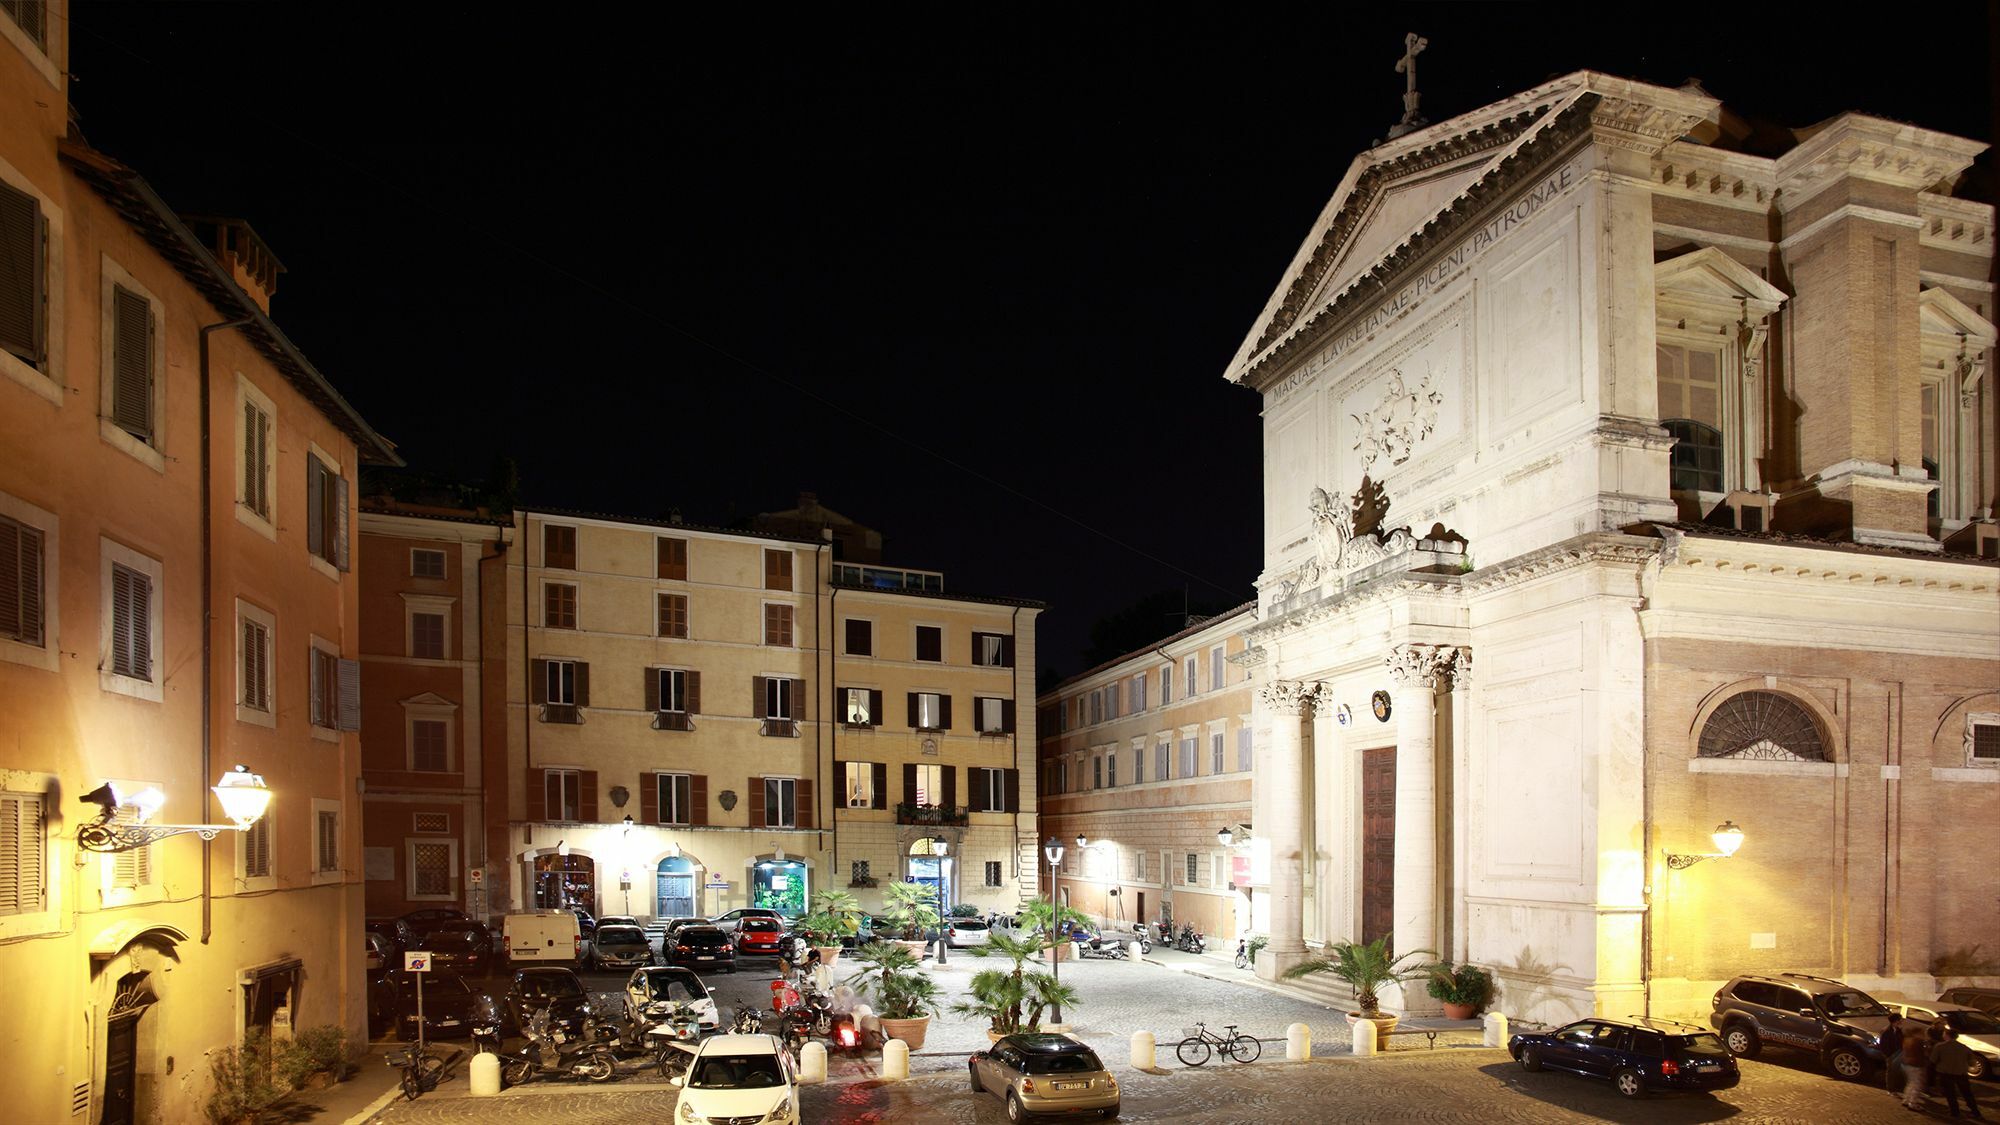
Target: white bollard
{"type": "Point", "coordinates": [1132, 951]}
{"type": "Point", "coordinates": [865, 1019]}
{"type": "Point", "coordinates": [1298, 1043]}
{"type": "Point", "coordinates": [485, 1074]}
{"type": "Point", "coordinates": [1364, 1036]}
{"type": "Point", "coordinates": [812, 1062]}
{"type": "Point", "coordinates": [895, 1060]}
{"type": "Point", "coordinates": [1496, 1029]}
{"type": "Point", "coordinates": [1142, 1050]}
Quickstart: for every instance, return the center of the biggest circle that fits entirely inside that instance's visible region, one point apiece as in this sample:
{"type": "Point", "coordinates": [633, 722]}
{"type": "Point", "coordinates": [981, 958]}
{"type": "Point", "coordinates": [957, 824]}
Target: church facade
{"type": "Point", "coordinates": [1626, 479]}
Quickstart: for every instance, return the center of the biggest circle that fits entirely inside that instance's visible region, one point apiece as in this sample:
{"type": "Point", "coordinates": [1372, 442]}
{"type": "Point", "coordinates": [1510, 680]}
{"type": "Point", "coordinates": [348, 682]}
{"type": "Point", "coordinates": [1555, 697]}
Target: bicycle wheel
{"type": "Point", "coordinates": [430, 1072]}
{"type": "Point", "coordinates": [410, 1087]}
{"type": "Point", "coordinates": [1193, 1051]}
{"type": "Point", "coordinates": [517, 1071]}
{"type": "Point", "coordinates": [1245, 1048]}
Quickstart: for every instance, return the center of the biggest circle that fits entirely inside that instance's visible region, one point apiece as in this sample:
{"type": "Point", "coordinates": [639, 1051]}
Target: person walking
{"type": "Point", "coordinates": [1952, 1061]}
{"type": "Point", "coordinates": [1915, 1058]}
{"type": "Point", "coordinates": [1891, 1046]}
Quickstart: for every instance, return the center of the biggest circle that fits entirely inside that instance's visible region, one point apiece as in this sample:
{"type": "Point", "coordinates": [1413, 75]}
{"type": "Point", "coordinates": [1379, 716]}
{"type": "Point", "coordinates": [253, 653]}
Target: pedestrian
{"type": "Point", "coordinates": [1915, 1057]}
{"type": "Point", "coordinates": [1891, 1045]}
{"type": "Point", "coordinates": [1953, 1063]}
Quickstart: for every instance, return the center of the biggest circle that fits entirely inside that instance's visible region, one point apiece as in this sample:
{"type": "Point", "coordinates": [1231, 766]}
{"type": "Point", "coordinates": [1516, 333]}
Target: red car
{"type": "Point", "coordinates": [759, 937]}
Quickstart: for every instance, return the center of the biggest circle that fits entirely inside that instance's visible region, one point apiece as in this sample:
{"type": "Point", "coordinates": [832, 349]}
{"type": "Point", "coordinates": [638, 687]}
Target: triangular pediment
{"type": "Point", "coordinates": [1945, 314]}
{"type": "Point", "coordinates": [1394, 211]}
{"type": "Point", "coordinates": [1711, 274]}
{"type": "Point", "coordinates": [429, 699]}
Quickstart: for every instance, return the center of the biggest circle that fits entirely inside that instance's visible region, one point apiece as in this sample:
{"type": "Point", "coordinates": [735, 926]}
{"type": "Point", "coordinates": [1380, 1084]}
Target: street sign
{"type": "Point", "coordinates": [416, 962]}
{"type": "Point", "coordinates": [716, 885]}
{"type": "Point", "coordinates": [476, 876]}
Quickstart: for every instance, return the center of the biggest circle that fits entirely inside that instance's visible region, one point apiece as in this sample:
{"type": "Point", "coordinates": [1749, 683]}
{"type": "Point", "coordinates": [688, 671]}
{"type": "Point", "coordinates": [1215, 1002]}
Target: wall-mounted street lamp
{"type": "Point", "coordinates": [1081, 842]}
{"type": "Point", "coordinates": [1229, 836]}
{"type": "Point", "coordinates": [1727, 839]}
{"type": "Point", "coordinates": [241, 792]}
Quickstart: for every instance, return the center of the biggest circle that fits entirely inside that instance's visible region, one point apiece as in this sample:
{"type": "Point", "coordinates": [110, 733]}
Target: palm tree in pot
{"type": "Point", "coordinates": [1051, 924]}
{"type": "Point", "coordinates": [1366, 968]}
{"type": "Point", "coordinates": [911, 908]}
{"type": "Point", "coordinates": [1013, 1000]}
{"type": "Point", "coordinates": [905, 995]}
{"type": "Point", "coordinates": [836, 915]}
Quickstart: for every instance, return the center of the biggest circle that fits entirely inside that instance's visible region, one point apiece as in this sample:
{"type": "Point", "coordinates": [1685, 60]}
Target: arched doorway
{"type": "Point", "coordinates": [564, 881]}
{"type": "Point", "coordinates": [675, 892]}
{"type": "Point", "coordinates": [122, 1063]}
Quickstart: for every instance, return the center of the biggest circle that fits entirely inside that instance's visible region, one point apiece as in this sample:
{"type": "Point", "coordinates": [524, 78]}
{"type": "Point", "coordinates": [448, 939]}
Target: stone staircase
{"type": "Point", "coordinates": [1321, 989]}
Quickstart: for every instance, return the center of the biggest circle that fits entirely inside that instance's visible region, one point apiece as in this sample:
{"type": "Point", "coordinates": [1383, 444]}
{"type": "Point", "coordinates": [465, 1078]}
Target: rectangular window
{"type": "Point", "coordinates": [857, 873]}
{"type": "Point", "coordinates": [860, 637]}
{"type": "Point", "coordinates": [672, 558]}
{"type": "Point", "coordinates": [1096, 707]}
{"type": "Point", "coordinates": [1193, 862]}
{"type": "Point", "coordinates": [675, 792]}
{"type": "Point", "coordinates": [930, 785]}
{"type": "Point", "coordinates": [430, 750]}
{"type": "Point", "coordinates": [130, 369]}
{"type": "Point", "coordinates": [558, 546]}
{"type": "Point", "coordinates": [860, 778]}
{"type": "Point", "coordinates": [780, 802]}
{"type": "Point", "coordinates": [1218, 670]}
{"type": "Point", "coordinates": [32, 18]}
{"type": "Point", "coordinates": [777, 570]}
{"type": "Point", "coordinates": [23, 872]}
{"type": "Point", "coordinates": [131, 622]}
{"type": "Point", "coordinates": [323, 687]}
{"type": "Point", "coordinates": [1139, 865]}
{"type": "Point", "coordinates": [672, 684]}
{"type": "Point", "coordinates": [930, 643]}
{"type": "Point", "coordinates": [1243, 748]}
{"type": "Point", "coordinates": [426, 563]}
{"type": "Point", "coordinates": [326, 850]}
{"type": "Point", "coordinates": [433, 822]}
{"type": "Point", "coordinates": [24, 247]}
{"type": "Point", "coordinates": [563, 794]}
{"type": "Point", "coordinates": [1215, 752]}
{"type": "Point", "coordinates": [427, 635]}
{"type": "Point", "coordinates": [992, 872]}
{"type": "Point", "coordinates": [992, 715]}
{"type": "Point", "coordinates": [1097, 772]}
{"type": "Point", "coordinates": [1189, 692]}
{"type": "Point", "coordinates": [1166, 685]}
{"type": "Point", "coordinates": [326, 512]}
{"type": "Point", "coordinates": [860, 707]}
{"type": "Point", "coordinates": [1190, 763]}
{"type": "Point", "coordinates": [673, 613]}
{"type": "Point", "coordinates": [561, 683]}
{"type": "Point", "coordinates": [992, 650]}
{"type": "Point", "coordinates": [559, 605]}
{"type": "Point", "coordinates": [1138, 693]}
{"type": "Point", "coordinates": [1111, 771]}
{"type": "Point", "coordinates": [930, 710]}
{"type": "Point", "coordinates": [989, 790]}
{"type": "Point", "coordinates": [256, 441]}
{"type": "Point", "coordinates": [1161, 761]}
{"type": "Point", "coordinates": [21, 598]}
{"type": "Point", "coordinates": [254, 666]}
{"type": "Point", "coordinates": [133, 869]}
{"type": "Point", "coordinates": [778, 625]}
{"type": "Point", "coordinates": [257, 849]}
{"type": "Point", "coordinates": [778, 699]}
{"type": "Point", "coordinates": [1985, 743]}
{"type": "Point", "coordinates": [1111, 701]}
{"type": "Point", "coordinates": [431, 868]}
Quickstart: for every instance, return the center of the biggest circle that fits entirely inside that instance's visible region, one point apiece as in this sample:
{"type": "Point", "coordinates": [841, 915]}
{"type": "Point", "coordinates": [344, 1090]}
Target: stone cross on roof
{"type": "Point", "coordinates": [1413, 45]}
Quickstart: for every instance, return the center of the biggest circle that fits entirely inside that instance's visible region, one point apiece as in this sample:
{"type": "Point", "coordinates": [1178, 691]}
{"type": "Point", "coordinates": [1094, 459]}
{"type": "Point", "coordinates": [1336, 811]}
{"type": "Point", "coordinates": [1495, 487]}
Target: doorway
{"type": "Point", "coordinates": [1378, 844]}
{"type": "Point", "coordinates": [565, 881]}
{"type": "Point", "coordinates": [674, 888]}
{"type": "Point", "coordinates": [120, 1104]}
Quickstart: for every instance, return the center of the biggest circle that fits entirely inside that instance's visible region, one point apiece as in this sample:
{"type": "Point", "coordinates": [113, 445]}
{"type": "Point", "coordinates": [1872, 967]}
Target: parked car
{"type": "Point", "coordinates": [1798, 1010]}
{"type": "Point", "coordinates": [618, 920]}
{"type": "Point", "coordinates": [548, 936]}
{"type": "Point", "coordinates": [458, 944]}
{"type": "Point", "coordinates": [452, 1006]}
{"type": "Point", "coordinates": [385, 928]}
{"type": "Point", "coordinates": [545, 986]}
{"type": "Point", "coordinates": [701, 945]}
{"type": "Point", "coordinates": [670, 983]}
{"type": "Point", "coordinates": [1976, 1029]}
{"type": "Point", "coordinates": [965, 933]}
{"type": "Point", "coordinates": [727, 923]}
{"type": "Point", "coordinates": [760, 937]}
{"type": "Point", "coordinates": [432, 914]}
{"type": "Point", "coordinates": [676, 923]}
{"type": "Point", "coordinates": [1639, 1055]}
{"type": "Point", "coordinates": [1037, 1074]}
{"type": "Point", "coordinates": [382, 953]}
{"type": "Point", "coordinates": [1985, 999]}
{"type": "Point", "coordinates": [619, 946]}
{"type": "Point", "coordinates": [739, 1078]}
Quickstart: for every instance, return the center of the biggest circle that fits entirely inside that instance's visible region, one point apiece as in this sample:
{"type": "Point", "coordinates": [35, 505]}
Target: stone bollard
{"type": "Point", "coordinates": [1364, 1036]}
{"type": "Point", "coordinates": [485, 1074]}
{"type": "Point", "coordinates": [865, 1019]}
{"type": "Point", "coordinates": [812, 1063]}
{"type": "Point", "coordinates": [1496, 1029]}
{"type": "Point", "coordinates": [1142, 1050]}
{"type": "Point", "coordinates": [1132, 951]}
{"type": "Point", "coordinates": [895, 1060]}
{"type": "Point", "coordinates": [1298, 1043]}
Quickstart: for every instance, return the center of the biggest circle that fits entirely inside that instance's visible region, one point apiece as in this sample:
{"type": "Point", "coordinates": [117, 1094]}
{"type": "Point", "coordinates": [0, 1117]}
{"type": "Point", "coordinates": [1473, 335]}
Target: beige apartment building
{"type": "Point", "coordinates": [1148, 759]}
{"type": "Point", "coordinates": [177, 598]}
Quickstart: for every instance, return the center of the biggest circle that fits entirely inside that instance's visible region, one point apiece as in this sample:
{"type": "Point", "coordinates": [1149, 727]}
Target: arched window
{"type": "Point", "coordinates": [1763, 726]}
{"type": "Point", "coordinates": [1696, 457]}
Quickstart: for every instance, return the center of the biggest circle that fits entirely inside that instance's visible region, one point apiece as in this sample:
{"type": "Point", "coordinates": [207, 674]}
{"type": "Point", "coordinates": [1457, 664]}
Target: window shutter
{"type": "Point", "coordinates": [20, 582]}
{"type": "Point", "coordinates": [909, 783]}
{"type": "Point", "coordinates": [880, 772]}
{"type": "Point", "coordinates": [586, 781]}
{"type": "Point", "coordinates": [246, 649]}
{"type": "Point", "coordinates": [944, 712]}
{"type": "Point", "coordinates": [121, 619]}
{"type": "Point", "coordinates": [250, 474]}
{"type": "Point", "coordinates": [340, 523]}
{"type": "Point", "coordinates": [1006, 716]}
{"type": "Point", "coordinates": [698, 799]}
{"type": "Point", "coordinates": [348, 675]}
{"type": "Point", "coordinates": [315, 506]}
{"type": "Point", "coordinates": [538, 681]}
{"type": "Point", "coordinates": [131, 363]}
{"type": "Point", "coordinates": [649, 798]}
{"type": "Point", "coordinates": [798, 701]}
{"type": "Point", "coordinates": [142, 624]}
{"type": "Point", "coordinates": [950, 786]}
{"type": "Point", "coordinates": [316, 688]}
{"type": "Point", "coordinates": [756, 802]}
{"type": "Point", "coordinates": [976, 800]}
{"type": "Point", "coordinates": [263, 466]}
{"type": "Point", "coordinates": [756, 697]}
{"type": "Point", "coordinates": [874, 708]}
{"type": "Point", "coordinates": [1011, 782]}
{"type": "Point", "coordinates": [21, 282]}
{"type": "Point", "coordinates": [805, 810]}
{"type": "Point", "coordinates": [538, 794]}
{"type": "Point", "coordinates": [913, 710]}
{"type": "Point", "coordinates": [1007, 650]}
{"type": "Point", "coordinates": [582, 684]}
{"type": "Point", "coordinates": [652, 689]}
{"type": "Point", "coordinates": [694, 693]}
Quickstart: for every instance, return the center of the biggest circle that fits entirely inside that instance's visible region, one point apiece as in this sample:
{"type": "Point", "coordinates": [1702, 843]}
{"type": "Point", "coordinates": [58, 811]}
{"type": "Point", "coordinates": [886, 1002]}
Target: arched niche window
{"type": "Point", "coordinates": [1697, 455]}
{"type": "Point", "coordinates": [1763, 726]}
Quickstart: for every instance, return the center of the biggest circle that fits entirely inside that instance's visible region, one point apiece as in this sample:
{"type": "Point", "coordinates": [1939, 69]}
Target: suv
{"type": "Point", "coordinates": [1843, 1024]}
{"type": "Point", "coordinates": [1638, 1054]}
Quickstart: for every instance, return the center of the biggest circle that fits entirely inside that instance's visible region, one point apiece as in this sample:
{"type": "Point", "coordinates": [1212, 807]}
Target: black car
{"type": "Point", "coordinates": [430, 914]}
{"type": "Point", "coordinates": [1843, 1025]}
{"type": "Point", "coordinates": [545, 986]}
{"type": "Point", "coordinates": [457, 945]}
{"type": "Point", "coordinates": [584, 922]}
{"type": "Point", "coordinates": [1639, 1055]}
{"type": "Point", "coordinates": [452, 1006]}
{"type": "Point", "coordinates": [701, 945]}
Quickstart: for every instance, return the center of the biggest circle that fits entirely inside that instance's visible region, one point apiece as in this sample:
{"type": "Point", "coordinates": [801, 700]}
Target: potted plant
{"type": "Point", "coordinates": [1463, 990]}
{"type": "Point", "coordinates": [905, 995]}
{"type": "Point", "coordinates": [1012, 1001]}
{"type": "Point", "coordinates": [313, 1059]}
{"type": "Point", "coordinates": [1365, 968]}
{"type": "Point", "coordinates": [836, 915]}
{"type": "Point", "coordinates": [911, 908]}
{"type": "Point", "coordinates": [1053, 923]}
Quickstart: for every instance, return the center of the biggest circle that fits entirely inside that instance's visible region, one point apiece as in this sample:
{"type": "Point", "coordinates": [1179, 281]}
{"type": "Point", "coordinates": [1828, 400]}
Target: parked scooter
{"type": "Point", "coordinates": [673, 1040]}
{"type": "Point", "coordinates": [1189, 941]}
{"type": "Point", "coordinates": [555, 1053]}
{"type": "Point", "coordinates": [748, 1021]}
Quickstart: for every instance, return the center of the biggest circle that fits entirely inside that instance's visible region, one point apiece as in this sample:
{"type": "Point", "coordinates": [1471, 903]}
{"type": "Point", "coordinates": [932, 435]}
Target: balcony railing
{"type": "Point", "coordinates": [931, 814]}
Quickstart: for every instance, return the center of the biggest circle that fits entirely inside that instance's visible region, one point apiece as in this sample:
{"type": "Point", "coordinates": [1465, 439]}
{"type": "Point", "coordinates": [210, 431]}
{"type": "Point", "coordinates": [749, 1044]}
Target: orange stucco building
{"type": "Point", "coordinates": [166, 455]}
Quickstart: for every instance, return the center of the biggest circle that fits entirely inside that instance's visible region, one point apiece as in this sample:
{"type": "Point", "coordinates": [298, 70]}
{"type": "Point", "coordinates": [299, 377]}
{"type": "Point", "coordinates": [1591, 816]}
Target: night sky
{"type": "Point", "coordinates": [971, 277]}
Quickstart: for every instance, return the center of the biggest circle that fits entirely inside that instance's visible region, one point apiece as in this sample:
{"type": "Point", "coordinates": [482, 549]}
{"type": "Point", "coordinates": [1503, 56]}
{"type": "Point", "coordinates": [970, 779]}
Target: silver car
{"type": "Point", "coordinates": [618, 946]}
{"type": "Point", "coordinates": [1034, 1075]}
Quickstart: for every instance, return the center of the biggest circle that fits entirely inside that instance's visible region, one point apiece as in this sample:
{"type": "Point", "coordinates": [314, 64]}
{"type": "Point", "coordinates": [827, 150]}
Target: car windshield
{"type": "Point", "coordinates": [969, 924]}
{"type": "Point", "coordinates": [736, 1072]}
{"type": "Point", "coordinates": [1972, 1023]}
{"type": "Point", "coordinates": [662, 986]}
{"type": "Point", "coordinates": [620, 935]}
{"type": "Point", "coordinates": [437, 986]}
{"type": "Point", "coordinates": [544, 988]}
{"type": "Point", "coordinates": [1069, 1062]}
{"type": "Point", "coordinates": [1850, 1004]}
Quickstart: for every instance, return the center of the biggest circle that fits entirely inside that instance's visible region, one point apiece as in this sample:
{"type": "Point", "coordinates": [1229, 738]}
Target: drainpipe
{"type": "Point", "coordinates": [819, 767]}
{"type": "Point", "coordinates": [528, 888]}
{"type": "Point", "coordinates": [1014, 737]}
{"type": "Point", "coordinates": [208, 630]}
{"type": "Point", "coordinates": [479, 603]}
{"type": "Point", "coordinates": [833, 722]}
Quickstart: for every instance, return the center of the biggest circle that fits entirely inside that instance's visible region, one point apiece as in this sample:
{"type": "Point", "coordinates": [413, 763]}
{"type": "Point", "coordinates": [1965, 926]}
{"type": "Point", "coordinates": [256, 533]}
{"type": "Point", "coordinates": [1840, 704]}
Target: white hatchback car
{"type": "Point", "coordinates": [739, 1078]}
{"type": "Point", "coordinates": [1976, 1029]}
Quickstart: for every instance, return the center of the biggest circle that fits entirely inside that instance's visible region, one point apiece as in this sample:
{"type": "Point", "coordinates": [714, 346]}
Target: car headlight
{"type": "Point", "coordinates": [687, 1111]}
{"type": "Point", "coordinates": [782, 1113]}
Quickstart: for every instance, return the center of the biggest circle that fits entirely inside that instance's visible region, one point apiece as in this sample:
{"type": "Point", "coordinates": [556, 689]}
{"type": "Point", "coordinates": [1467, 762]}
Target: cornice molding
{"type": "Point", "coordinates": [1598, 547]}
{"type": "Point", "coordinates": [1872, 148]}
{"type": "Point", "coordinates": [1828, 564]}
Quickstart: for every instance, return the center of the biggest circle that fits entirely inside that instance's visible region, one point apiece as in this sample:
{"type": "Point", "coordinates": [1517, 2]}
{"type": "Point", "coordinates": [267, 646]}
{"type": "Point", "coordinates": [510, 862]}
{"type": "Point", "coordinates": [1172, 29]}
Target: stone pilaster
{"type": "Point", "coordinates": [1460, 672]}
{"type": "Point", "coordinates": [1279, 798]}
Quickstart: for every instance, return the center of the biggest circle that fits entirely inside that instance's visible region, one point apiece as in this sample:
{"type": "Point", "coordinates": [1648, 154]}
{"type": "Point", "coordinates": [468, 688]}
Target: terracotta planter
{"type": "Point", "coordinates": [828, 954]}
{"type": "Point", "coordinates": [917, 948]}
{"type": "Point", "coordinates": [1061, 951]}
{"type": "Point", "coordinates": [1384, 1024]}
{"type": "Point", "coordinates": [911, 1032]}
{"type": "Point", "coordinates": [1459, 1011]}
{"type": "Point", "coordinates": [993, 1036]}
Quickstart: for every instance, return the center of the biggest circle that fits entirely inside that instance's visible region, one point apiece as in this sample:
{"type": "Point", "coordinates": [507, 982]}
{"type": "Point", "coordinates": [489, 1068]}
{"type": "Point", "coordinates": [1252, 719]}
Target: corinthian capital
{"type": "Point", "coordinates": [1459, 667]}
{"type": "Point", "coordinates": [1289, 697]}
{"type": "Point", "coordinates": [1419, 666]}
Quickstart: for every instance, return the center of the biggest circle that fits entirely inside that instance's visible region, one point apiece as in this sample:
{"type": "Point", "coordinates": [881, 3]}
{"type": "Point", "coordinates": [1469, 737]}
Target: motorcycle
{"type": "Point", "coordinates": [747, 1022]}
{"type": "Point", "coordinates": [556, 1053]}
{"type": "Point", "coordinates": [673, 1039]}
{"type": "Point", "coordinates": [1189, 941]}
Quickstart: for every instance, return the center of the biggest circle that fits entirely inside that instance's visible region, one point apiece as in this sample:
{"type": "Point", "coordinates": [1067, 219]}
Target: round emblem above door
{"type": "Point", "coordinates": [1380, 702]}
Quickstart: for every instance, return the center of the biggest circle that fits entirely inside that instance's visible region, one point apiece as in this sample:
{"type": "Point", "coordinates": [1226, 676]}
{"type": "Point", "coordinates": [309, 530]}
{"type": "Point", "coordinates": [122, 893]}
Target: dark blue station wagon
{"type": "Point", "coordinates": [1639, 1055]}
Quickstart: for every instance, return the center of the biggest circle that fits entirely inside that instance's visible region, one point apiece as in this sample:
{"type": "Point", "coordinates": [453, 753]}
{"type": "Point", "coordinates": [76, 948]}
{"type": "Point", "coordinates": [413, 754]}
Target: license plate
{"type": "Point", "coordinates": [1071, 1085]}
{"type": "Point", "coordinates": [447, 1023]}
{"type": "Point", "coordinates": [1707, 1066]}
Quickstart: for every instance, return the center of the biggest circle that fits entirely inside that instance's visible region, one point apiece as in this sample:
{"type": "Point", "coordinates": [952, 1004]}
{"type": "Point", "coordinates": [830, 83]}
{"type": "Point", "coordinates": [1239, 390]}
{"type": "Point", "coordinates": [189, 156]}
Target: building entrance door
{"type": "Point", "coordinates": [121, 1053]}
{"type": "Point", "coordinates": [675, 890]}
{"type": "Point", "coordinates": [1378, 844]}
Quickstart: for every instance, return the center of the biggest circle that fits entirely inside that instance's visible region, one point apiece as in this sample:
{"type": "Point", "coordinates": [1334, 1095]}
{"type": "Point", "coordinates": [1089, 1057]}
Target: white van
{"type": "Point", "coordinates": [546, 937]}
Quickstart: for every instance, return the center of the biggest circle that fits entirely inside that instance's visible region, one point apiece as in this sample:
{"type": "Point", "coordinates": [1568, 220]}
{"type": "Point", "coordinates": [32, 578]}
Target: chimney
{"type": "Point", "coordinates": [249, 261]}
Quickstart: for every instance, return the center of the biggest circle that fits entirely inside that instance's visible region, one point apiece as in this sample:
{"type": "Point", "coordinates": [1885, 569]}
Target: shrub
{"type": "Point", "coordinates": [965, 910]}
{"type": "Point", "coordinates": [1467, 984]}
{"type": "Point", "coordinates": [313, 1050]}
{"type": "Point", "coordinates": [242, 1080]}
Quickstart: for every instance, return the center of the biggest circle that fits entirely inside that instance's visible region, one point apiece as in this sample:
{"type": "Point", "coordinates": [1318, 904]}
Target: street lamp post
{"type": "Point", "coordinates": [242, 794]}
{"type": "Point", "coordinates": [942, 849]}
{"type": "Point", "coordinates": [1054, 850]}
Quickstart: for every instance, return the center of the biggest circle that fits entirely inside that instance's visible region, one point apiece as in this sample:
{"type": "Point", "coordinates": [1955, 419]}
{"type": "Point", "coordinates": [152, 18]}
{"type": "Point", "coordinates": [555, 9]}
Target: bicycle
{"type": "Point", "coordinates": [1201, 1042]}
{"type": "Point", "coordinates": [422, 1070]}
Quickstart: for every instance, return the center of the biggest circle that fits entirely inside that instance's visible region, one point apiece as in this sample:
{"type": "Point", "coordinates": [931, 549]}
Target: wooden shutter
{"type": "Point", "coordinates": [1007, 650]}
{"type": "Point", "coordinates": [586, 783]}
{"type": "Point", "coordinates": [251, 476]}
{"type": "Point", "coordinates": [340, 523]}
{"type": "Point", "coordinates": [976, 800]}
{"type": "Point", "coordinates": [805, 808]}
{"type": "Point", "coordinates": [1011, 789]}
{"type": "Point", "coordinates": [798, 701]}
{"type": "Point", "coordinates": [909, 783]}
{"type": "Point", "coordinates": [673, 559]}
{"type": "Point", "coordinates": [694, 693]}
{"type": "Point", "coordinates": [777, 570]}
{"type": "Point", "coordinates": [582, 684]}
{"type": "Point", "coordinates": [558, 546]}
{"type": "Point", "coordinates": [20, 582]}
{"type": "Point", "coordinates": [538, 794]}
{"type": "Point", "coordinates": [652, 677]}
{"type": "Point", "coordinates": [698, 799]}
{"type": "Point", "coordinates": [756, 697]}
{"type": "Point", "coordinates": [21, 284]}
{"type": "Point", "coordinates": [347, 673]}
{"type": "Point", "coordinates": [756, 802]}
{"type": "Point", "coordinates": [649, 798]}
{"type": "Point", "coordinates": [880, 770]}
{"type": "Point", "coordinates": [913, 710]}
{"type": "Point", "coordinates": [21, 864]}
{"type": "Point", "coordinates": [950, 786]}
{"type": "Point", "coordinates": [131, 363]}
{"type": "Point", "coordinates": [944, 712]}
{"type": "Point", "coordinates": [316, 689]}
{"type": "Point", "coordinates": [1006, 716]}
{"type": "Point", "coordinates": [874, 707]}
{"type": "Point", "coordinates": [538, 681]}
{"type": "Point", "coordinates": [316, 530]}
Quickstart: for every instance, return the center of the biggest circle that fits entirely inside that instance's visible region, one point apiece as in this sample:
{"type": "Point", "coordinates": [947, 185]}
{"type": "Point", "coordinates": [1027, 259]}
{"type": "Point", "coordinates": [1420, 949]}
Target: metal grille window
{"type": "Point", "coordinates": [992, 872]}
{"type": "Point", "coordinates": [563, 789]}
{"type": "Point", "coordinates": [426, 563]}
{"type": "Point", "coordinates": [1985, 744]}
{"type": "Point", "coordinates": [327, 853]}
{"type": "Point", "coordinates": [1762, 725]}
{"type": "Point", "coordinates": [1193, 869]}
{"type": "Point", "coordinates": [257, 849]}
{"type": "Point", "coordinates": [430, 750]}
{"type": "Point", "coordinates": [430, 868]}
{"type": "Point", "coordinates": [21, 609]}
{"type": "Point", "coordinates": [427, 636]}
{"type": "Point", "coordinates": [430, 822]}
{"type": "Point", "coordinates": [857, 872]}
{"type": "Point", "coordinates": [23, 888]}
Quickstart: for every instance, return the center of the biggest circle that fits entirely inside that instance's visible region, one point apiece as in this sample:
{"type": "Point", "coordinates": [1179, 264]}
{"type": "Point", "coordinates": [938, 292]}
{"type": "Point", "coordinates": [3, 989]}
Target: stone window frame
{"type": "Point", "coordinates": [1706, 299]}
{"type": "Point", "coordinates": [1828, 716]}
{"type": "Point", "coordinates": [1955, 346]}
{"type": "Point", "coordinates": [1974, 720]}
